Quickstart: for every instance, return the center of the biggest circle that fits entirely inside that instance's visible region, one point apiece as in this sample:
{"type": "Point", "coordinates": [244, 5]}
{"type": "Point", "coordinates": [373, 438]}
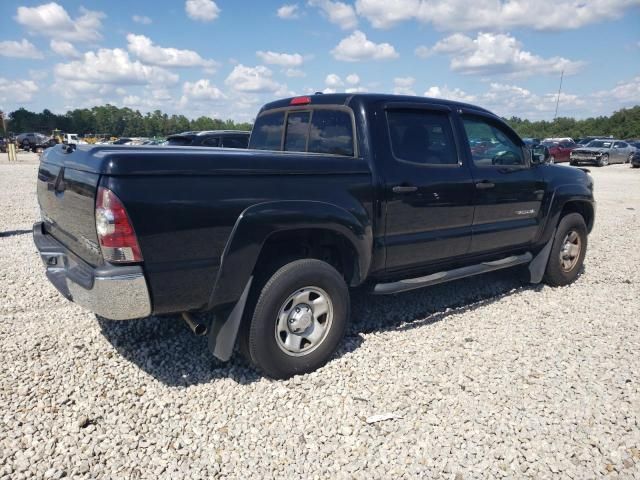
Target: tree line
{"type": "Point", "coordinates": [109, 120]}
{"type": "Point", "coordinates": [113, 121]}
{"type": "Point", "coordinates": [624, 124]}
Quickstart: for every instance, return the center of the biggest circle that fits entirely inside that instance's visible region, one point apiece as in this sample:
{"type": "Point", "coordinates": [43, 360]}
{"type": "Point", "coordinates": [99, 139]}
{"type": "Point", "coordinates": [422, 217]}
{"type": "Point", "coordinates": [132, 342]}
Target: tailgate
{"type": "Point", "coordinates": [67, 204]}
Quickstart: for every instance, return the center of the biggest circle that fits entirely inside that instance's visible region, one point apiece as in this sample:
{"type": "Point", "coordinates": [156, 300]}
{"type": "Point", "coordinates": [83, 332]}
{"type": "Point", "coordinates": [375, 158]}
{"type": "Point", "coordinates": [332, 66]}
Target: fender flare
{"type": "Point", "coordinates": [252, 229]}
{"type": "Point", "coordinates": [562, 195]}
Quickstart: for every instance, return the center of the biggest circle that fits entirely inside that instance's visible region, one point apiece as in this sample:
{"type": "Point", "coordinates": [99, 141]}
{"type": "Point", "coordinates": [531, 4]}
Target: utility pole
{"type": "Point", "coordinates": [558, 99]}
{"type": "Point", "coordinates": [4, 125]}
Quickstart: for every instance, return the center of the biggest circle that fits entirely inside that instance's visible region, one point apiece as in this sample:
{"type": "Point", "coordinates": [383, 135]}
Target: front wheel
{"type": "Point", "coordinates": [568, 251]}
{"type": "Point", "coordinates": [603, 161]}
{"type": "Point", "coordinates": [552, 159]}
{"type": "Point", "coordinates": [299, 319]}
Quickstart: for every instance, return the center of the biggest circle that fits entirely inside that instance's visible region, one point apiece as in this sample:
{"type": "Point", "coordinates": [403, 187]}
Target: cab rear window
{"type": "Point", "coordinates": [316, 131]}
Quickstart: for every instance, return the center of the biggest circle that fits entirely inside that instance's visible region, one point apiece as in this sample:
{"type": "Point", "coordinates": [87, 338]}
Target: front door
{"type": "Point", "coordinates": [428, 190]}
{"type": "Point", "coordinates": [508, 190]}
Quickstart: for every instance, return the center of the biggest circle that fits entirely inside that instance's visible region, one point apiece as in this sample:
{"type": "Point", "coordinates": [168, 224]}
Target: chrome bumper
{"type": "Point", "coordinates": [114, 292]}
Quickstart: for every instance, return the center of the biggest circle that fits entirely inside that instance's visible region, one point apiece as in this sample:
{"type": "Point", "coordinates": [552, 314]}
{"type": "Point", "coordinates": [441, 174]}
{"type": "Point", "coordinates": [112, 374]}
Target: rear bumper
{"type": "Point", "coordinates": [114, 292]}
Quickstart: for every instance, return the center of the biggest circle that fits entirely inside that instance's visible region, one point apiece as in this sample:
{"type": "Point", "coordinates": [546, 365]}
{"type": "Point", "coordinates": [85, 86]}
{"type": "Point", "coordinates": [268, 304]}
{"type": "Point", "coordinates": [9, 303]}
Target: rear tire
{"type": "Point", "coordinates": [299, 319]}
{"type": "Point", "coordinates": [568, 251]}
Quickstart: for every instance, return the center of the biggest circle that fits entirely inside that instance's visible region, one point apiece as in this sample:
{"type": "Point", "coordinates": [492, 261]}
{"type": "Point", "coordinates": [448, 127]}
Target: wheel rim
{"type": "Point", "coordinates": [304, 320]}
{"type": "Point", "coordinates": [605, 160]}
{"type": "Point", "coordinates": [552, 159]}
{"type": "Point", "coordinates": [570, 251]}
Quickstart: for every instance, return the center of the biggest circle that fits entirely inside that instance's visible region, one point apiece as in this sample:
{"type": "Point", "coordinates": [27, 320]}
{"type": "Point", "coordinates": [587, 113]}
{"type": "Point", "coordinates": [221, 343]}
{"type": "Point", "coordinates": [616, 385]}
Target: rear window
{"type": "Point", "coordinates": [235, 141]}
{"type": "Point", "coordinates": [267, 132]}
{"type": "Point", "coordinates": [297, 131]}
{"type": "Point", "coordinates": [317, 131]}
{"type": "Point", "coordinates": [179, 141]}
{"type": "Point", "coordinates": [331, 132]}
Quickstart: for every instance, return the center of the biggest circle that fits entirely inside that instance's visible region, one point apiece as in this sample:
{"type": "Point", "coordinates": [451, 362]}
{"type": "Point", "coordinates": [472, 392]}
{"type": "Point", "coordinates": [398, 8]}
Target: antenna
{"type": "Point", "coordinates": [558, 100]}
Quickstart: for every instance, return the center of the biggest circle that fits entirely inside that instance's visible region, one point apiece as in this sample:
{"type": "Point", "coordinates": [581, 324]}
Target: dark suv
{"type": "Point", "coordinates": [211, 138]}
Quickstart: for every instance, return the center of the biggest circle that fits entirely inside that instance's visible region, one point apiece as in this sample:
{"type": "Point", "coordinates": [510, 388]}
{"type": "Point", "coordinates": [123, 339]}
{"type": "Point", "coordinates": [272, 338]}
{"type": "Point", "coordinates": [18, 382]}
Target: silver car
{"type": "Point", "coordinates": [602, 152]}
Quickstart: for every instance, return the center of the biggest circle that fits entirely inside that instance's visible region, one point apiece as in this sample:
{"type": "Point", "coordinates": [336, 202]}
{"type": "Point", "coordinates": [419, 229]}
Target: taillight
{"type": "Point", "coordinates": [116, 235]}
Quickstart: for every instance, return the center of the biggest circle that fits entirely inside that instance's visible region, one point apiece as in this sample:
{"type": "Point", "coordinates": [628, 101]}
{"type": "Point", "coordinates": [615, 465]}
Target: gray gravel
{"type": "Point", "coordinates": [482, 378]}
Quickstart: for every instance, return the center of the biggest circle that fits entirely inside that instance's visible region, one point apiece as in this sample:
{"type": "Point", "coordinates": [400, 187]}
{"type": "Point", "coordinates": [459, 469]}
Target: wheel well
{"type": "Point", "coordinates": [583, 208]}
{"type": "Point", "coordinates": [322, 244]}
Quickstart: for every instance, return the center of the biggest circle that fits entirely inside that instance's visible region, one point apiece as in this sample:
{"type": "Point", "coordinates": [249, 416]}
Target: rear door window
{"type": "Point", "coordinates": [421, 136]}
{"type": "Point", "coordinates": [267, 132]}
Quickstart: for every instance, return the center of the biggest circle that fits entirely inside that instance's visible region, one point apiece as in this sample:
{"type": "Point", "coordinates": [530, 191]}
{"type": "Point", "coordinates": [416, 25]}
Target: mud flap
{"type": "Point", "coordinates": [223, 332]}
{"type": "Point", "coordinates": [538, 265]}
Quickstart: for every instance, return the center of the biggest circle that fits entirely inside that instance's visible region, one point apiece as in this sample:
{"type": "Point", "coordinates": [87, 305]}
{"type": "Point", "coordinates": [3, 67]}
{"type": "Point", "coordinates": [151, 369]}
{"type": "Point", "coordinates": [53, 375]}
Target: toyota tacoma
{"type": "Point", "coordinates": [391, 193]}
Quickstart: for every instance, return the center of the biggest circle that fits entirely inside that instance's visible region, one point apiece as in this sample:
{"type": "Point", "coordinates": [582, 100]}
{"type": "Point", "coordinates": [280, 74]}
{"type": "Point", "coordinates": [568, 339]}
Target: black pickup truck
{"type": "Point", "coordinates": [390, 192]}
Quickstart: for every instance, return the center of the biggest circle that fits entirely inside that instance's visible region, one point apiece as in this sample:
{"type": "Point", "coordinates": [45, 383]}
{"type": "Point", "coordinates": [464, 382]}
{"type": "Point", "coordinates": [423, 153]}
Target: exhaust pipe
{"type": "Point", "coordinates": [196, 327]}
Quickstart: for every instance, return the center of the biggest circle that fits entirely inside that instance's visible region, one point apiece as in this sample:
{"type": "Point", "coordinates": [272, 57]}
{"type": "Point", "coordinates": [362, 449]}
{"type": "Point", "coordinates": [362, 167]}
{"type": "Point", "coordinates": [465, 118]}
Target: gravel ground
{"type": "Point", "coordinates": [482, 378]}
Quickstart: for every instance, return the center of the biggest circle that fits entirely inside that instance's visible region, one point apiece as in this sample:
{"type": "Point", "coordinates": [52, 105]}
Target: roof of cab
{"type": "Point", "coordinates": [348, 98]}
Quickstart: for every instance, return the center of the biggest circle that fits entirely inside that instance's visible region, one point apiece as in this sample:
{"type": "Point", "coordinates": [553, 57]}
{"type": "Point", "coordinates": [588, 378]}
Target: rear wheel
{"type": "Point", "coordinates": [299, 319]}
{"type": "Point", "coordinates": [603, 161]}
{"type": "Point", "coordinates": [568, 251]}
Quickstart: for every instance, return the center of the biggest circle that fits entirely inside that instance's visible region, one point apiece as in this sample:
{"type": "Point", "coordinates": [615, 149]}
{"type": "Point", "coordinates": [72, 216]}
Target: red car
{"type": "Point", "coordinates": [559, 151]}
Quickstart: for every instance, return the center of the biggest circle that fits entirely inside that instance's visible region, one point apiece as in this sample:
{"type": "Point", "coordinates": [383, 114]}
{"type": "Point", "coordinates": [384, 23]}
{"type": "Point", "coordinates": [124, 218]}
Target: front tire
{"type": "Point", "coordinates": [552, 159]}
{"type": "Point", "coordinates": [603, 161]}
{"type": "Point", "coordinates": [568, 251]}
{"type": "Point", "coordinates": [299, 319]}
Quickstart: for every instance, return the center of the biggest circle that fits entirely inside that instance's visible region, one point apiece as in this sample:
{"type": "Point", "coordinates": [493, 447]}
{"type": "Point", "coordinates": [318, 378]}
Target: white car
{"type": "Point", "coordinates": [72, 139]}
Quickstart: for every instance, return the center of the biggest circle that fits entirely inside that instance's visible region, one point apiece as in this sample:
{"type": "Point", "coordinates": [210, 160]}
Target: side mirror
{"type": "Point", "coordinates": [539, 154]}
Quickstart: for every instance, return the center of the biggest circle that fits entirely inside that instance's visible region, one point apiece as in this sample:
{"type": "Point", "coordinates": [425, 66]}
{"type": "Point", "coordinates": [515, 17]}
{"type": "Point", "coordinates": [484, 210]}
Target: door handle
{"type": "Point", "coordinates": [484, 185]}
{"type": "Point", "coordinates": [404, 189]}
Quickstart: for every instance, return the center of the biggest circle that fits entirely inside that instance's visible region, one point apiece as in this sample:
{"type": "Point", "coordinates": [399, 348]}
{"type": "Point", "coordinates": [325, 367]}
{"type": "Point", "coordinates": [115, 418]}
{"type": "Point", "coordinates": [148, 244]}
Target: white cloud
{"type": "Point", "coordinates": [338, 13]}
{"type": "Point", "coordinates": [493, 14]}
{"type": "Point", "coordinates": [142, 19]}
{"type": "Point", "coordinates": [333, 81]}
{"type": "Point", "coordinates": [21, 49]}
{"type": "Point", "coordinates": [112, 67]}
{"type": "Point", "coordinates": [201, 90]}
{"type": "Point", "coordinates": [252, 79]}
{"type": "Point", "coordinates": [422, 51]}
{"type": "Point", "coordinates": [52, 20]}
{"type": "Point", "coordinates": [151, 54]}
{"type": "Point", "coordinates": [449, 94]}
{"type": "Point", "coordinates": [353, 79]}
{"type": "Point", "coordinates": [294, 73]}
{"type": "Point", "coordinates": [202, 10]}
{"type": "Point", "coordinates": [624, 94]}
{"type": "Point", "coordinates": [356, 47]}
{"type": "Point", "coordinates": [282, 59]}
{"type": "Point", "coordinates": [12, 91]}
{"type": "Point", "coordinates": [288, 12]}
{"type": "Point", "coordinates": [64, 48]}
{"type": "Point", "coordinates": [403, 85]}
{"type": "Point", "coordinates": [490, 53]}
{"type": "Point", "coordinates": [511, 100]}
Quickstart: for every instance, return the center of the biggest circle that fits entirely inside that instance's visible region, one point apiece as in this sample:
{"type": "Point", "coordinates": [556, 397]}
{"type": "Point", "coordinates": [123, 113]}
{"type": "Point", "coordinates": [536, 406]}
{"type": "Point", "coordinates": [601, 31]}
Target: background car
{"type": "Point", "coordinates": [211, 138]}
{"type": "Point", "coordinates": [602, 152]}
{"type": "Point", "coordinates": [559, 151]}
{"type": "Point", "coordinates": [33, 141]}
{"type": "Point", "coordinates": [531, 142]}
{"type": "Point", "coordinates": [635, 159]}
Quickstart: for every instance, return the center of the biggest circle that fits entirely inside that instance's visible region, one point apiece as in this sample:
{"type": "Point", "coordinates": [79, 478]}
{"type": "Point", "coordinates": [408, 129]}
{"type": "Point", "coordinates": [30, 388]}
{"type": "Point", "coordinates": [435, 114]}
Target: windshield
{"type": "Point", "coordinates": [599, 144]}
{"type": "Point", "coordinates": [73, 137]}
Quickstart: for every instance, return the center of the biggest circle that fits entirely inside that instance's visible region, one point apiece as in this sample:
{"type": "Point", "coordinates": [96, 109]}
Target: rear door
{"type": "Point", "coordinates": [428, 192]}
{"type": "Point", "coordinates": [508, 190]}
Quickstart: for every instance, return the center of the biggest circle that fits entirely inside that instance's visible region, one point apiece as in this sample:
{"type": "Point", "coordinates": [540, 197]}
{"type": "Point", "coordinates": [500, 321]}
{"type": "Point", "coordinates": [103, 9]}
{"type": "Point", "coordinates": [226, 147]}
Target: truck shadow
{"type": "Point", "coordinates": [165, 348]}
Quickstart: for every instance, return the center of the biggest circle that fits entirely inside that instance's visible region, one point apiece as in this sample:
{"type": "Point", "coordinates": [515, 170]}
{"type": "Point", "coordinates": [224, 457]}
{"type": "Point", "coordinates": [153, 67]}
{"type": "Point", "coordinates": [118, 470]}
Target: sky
{"type": "Point", "coordinates": [225, 58]}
